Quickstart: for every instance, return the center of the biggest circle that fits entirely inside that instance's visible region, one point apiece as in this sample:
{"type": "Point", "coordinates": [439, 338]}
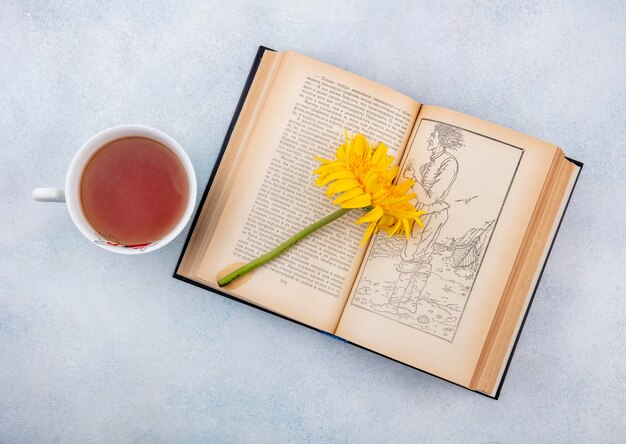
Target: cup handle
{"type": "Point", "coordinates": [49, 194]}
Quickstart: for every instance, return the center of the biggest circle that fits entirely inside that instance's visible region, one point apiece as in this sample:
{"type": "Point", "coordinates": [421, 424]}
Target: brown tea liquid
{"type": "Point", "coordinates": [134, 191]}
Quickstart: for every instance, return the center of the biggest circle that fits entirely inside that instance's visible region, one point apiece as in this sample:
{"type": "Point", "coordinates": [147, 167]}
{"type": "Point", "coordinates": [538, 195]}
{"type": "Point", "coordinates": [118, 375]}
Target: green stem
{"type": "Point", "coordinates": [282, 247]}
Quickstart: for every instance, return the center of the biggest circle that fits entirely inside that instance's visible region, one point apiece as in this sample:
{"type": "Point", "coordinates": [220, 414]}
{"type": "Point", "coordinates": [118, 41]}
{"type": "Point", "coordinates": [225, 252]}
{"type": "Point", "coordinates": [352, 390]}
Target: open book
{"type": "Point", "coordinates": [451, 299]}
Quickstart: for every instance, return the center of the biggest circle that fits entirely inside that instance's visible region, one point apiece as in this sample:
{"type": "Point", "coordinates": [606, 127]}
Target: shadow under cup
{"type": "Point", "coordinates": [131, 189]}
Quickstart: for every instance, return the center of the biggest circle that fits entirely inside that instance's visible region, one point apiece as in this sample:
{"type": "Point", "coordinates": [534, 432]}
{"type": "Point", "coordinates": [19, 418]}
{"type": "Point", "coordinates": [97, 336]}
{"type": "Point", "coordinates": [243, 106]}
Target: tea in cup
{"type": "Point", "coordinates": [129, 189]}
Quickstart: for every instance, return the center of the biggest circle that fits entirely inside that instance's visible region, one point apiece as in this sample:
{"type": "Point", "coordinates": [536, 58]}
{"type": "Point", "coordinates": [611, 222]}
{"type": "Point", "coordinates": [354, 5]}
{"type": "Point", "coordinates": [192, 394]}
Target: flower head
{"type": "Point", "coordinates": [361, 176]}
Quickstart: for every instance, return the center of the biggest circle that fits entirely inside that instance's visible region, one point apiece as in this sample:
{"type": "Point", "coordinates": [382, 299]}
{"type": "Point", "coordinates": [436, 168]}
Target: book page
{"type": "Point", "coordinates": [272, 194]}
{"type": "Point", "coordinates": [216, 193]}
{"type": "Point", "coordinates": [522, 282]}
{"type": "Point", "coordinates": [428, 301]}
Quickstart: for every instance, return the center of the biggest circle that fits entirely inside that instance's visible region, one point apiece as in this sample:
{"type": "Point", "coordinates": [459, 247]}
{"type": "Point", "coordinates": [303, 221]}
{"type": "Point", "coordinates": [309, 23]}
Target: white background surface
{"type": "Point", "coordinates": [96, 347]}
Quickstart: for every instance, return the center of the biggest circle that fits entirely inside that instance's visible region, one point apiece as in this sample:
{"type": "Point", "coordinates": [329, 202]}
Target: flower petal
{"type": "Point", "coordinates": [397, 200]}
{"type": "Point", "coordinates": [368, 233]}
{"type": "Point", "coordinates": [372, 216]}
{"type": "Point", "coordinates": [342, 185]}
{"type": "Point", "coordinates": [407, 227]}
{"type": "Point", "coordinates": [323, 160]}
{"type": "Point", "coordinates": [359, 146]}
{"type": "Point", "coordinates": [380, 153]}
{"type": "Point", "coordinates": [335, 176]}
{"type": "Point", "coordinates": [350, 194]}
{"type": "Point", "coordinates": [403, 187]}
{"type": "Point", "coordinates": [357, 202]}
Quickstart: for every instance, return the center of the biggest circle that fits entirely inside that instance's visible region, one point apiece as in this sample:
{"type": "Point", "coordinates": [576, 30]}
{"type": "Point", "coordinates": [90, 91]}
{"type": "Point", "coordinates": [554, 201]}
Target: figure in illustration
{"type": "Point", "coordinates": [425, 282]}
{"type": "Point", "coordinates": [431, 187]}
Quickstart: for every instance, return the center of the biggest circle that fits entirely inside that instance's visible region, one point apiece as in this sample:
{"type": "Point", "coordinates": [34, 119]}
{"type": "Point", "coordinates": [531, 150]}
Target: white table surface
{"type": "Point", "coordinates": [96, 347]}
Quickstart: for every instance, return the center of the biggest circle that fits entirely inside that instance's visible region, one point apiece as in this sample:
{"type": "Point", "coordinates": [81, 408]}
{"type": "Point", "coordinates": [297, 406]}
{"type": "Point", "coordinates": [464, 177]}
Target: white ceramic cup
{"type": "Point", "coordinates": [71, 193]}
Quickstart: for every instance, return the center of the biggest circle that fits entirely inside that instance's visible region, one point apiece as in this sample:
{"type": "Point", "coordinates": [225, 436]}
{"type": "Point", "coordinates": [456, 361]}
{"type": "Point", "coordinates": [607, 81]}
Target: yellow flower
{"type": "Point", "coordinates": [362, 177]}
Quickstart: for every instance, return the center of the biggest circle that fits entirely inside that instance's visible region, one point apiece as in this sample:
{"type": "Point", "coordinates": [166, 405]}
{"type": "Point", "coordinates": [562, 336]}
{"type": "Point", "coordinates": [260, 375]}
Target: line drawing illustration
{"type": "Point", "coordinates": [466, 201]}
{"type": "Point", "coordinates": [425, 281]}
